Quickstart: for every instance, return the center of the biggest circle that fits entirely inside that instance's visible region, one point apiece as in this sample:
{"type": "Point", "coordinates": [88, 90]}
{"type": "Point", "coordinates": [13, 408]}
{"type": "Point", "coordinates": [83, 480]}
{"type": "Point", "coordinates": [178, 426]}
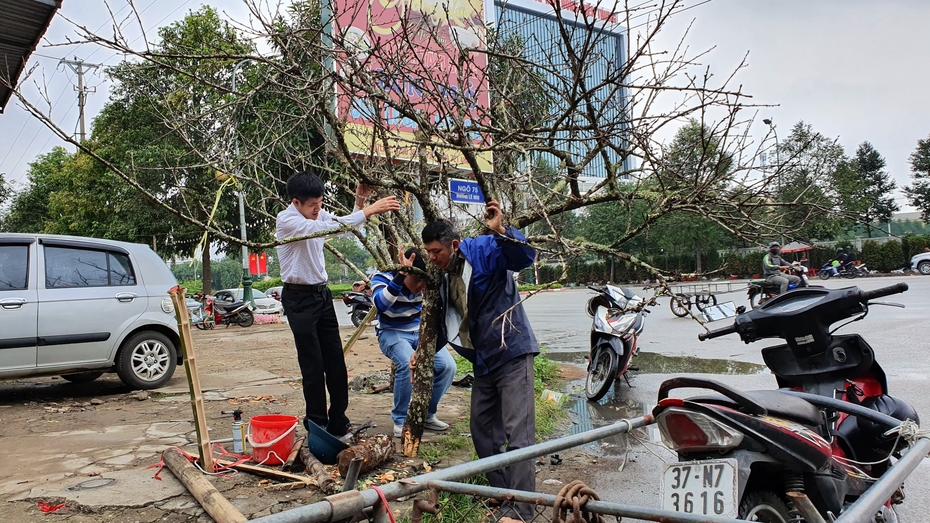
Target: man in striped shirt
{"type": "Point", "coordinates": [398, 297]}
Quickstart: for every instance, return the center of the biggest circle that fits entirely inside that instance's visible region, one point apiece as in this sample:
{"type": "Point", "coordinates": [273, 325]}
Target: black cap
{"type": "Point", "coordinates": [418, 262]}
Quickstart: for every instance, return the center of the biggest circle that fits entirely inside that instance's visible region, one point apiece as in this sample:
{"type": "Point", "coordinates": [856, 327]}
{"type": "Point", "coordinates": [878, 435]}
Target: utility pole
{"type": "Point", "coordinates": [77, 65]}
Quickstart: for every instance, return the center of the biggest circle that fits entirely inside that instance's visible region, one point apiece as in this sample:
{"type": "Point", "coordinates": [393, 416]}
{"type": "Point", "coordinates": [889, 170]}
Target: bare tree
{"type": "Point", "coordinates": [431, 94]}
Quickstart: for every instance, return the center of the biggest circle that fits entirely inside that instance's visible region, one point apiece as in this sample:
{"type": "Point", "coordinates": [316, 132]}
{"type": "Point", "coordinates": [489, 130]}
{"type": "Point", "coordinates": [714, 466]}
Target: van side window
{"type": "Point", "coordinates": [68, 267]}
{"type": "Point", "coordinates": [14, 267]}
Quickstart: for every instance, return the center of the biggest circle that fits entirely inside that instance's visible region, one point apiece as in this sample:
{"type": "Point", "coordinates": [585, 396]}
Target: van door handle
{"type": "Point", "coordinates": [126, 297]}
{"type": "Point", "coordinates": [12, 303]}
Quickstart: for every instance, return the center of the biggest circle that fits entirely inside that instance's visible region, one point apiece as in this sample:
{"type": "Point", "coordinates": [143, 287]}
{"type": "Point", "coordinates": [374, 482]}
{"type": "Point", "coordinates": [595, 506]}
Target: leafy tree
{"type": "Point", "coordinates": [160, 126]}
{"type": "Point", "coordinates": [29, 208]}
{"type": "Point", "coordinates": [353, 251]}
{"type": "Point", "coordinates": [809, 162]}
{"type": "Point", "coordinates": [918, 193]}
{"type": "Point", "coordinates": [696, 159]}
{"type": "Point", "coordinates": [869, 197]}
{"type": "Point", "coordinates": [5, 191]}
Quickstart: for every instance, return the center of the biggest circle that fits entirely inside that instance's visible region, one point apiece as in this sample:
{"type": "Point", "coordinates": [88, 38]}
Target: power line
{"type": "Point", "coordinates": [78, 66]}
{"type": "Point", "coordinates": [38, 131]}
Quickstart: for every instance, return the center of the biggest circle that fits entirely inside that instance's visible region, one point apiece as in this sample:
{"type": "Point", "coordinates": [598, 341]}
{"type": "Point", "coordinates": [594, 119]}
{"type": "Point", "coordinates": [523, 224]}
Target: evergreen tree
{"type": "Point", "coordinates": [918, 193]}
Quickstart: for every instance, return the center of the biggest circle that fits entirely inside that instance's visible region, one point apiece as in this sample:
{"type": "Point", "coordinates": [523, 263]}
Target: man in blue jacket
{"type": "Point", "coordinates": [484, 321]}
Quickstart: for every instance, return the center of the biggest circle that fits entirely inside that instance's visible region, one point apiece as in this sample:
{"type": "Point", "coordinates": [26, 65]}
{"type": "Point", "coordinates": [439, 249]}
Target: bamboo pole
{"type": "Point", "coordinates": [361, 328]}
{"type": "Point", "coordinates": [218, 507]}
{"type": "Point", "coordinates": [193, 377]}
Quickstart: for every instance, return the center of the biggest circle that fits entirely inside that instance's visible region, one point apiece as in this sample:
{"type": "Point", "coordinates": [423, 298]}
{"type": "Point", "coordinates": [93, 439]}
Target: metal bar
{"type": "Point", "coordinates": [845, 406]}
{"type": "Point", "coordinates": [355, 466]}
{"type": "Point", "coordinates": [876, 496]}
{"type": "Point", "coordinates": [322, 510]}
{"type": "Point", "coordinates": [599, 507]}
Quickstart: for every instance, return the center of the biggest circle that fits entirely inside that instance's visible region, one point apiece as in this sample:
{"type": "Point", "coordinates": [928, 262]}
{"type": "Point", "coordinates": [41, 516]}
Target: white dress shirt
{"type": "Point", "coordinates": [302, 261]}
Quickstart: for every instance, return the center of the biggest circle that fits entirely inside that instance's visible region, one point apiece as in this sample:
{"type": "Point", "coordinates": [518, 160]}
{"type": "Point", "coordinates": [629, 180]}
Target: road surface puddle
{"type": "Point", "coordinates": [654, 363]}
{"type": "Point", "coordinates": [586, 415]}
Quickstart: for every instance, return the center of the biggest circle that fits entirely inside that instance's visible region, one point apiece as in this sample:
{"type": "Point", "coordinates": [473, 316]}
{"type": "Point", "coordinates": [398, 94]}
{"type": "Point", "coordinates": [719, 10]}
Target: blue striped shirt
{"type": "Point", "coordinates": [398, 308]}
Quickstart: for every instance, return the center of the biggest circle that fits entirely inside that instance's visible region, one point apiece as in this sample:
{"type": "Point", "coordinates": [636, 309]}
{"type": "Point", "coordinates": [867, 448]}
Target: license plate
{"type": "Point", "coordinates": [701, 487]}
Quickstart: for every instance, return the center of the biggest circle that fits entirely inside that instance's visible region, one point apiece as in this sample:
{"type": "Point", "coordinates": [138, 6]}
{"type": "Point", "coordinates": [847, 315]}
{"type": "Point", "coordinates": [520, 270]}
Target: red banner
{"type": "Point", "coordinates": [263, 263]}
{"type": "Point", "coordinates": [253, 263]}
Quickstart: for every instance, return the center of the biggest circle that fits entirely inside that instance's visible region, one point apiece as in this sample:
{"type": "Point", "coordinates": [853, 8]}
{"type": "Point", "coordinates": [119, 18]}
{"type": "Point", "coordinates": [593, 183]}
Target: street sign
{"type": "Point", "coordinates": [465, 191]}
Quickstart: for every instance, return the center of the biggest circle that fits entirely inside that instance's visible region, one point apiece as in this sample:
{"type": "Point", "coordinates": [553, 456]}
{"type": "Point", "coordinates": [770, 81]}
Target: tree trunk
{"type": "Point", "coordinates": [207, 271]}
{"type": "Point", "coordinates": [697, 257]}
{"type": "Point", "coordinates": [612, 271]}
{"type": "Point", "coordinates": [423, 374]}
{"type": "Point", "coordinates": [374, 451]}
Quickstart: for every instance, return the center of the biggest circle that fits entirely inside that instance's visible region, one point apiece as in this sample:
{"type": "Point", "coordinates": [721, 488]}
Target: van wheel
{"type": "Point", "coordinates": [146, 360]}
{"type": "Point", "coordinates": [82, 377]}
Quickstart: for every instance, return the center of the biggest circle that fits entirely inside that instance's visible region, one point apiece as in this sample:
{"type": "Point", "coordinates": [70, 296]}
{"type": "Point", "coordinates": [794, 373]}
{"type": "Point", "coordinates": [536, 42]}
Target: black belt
{"type": "Point", "coordinates": [319, 287]}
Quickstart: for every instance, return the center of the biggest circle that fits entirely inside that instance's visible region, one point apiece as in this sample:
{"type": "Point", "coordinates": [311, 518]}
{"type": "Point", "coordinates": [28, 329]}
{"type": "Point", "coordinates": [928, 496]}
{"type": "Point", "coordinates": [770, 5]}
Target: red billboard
{"type": "Point", "coordinates": [422, 54]}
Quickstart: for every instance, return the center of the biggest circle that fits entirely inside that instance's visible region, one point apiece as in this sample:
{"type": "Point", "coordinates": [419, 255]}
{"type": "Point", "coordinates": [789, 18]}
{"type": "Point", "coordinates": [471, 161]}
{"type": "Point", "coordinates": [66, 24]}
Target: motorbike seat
{"type": "Point", "coordinates": [777, 403]}
{"type": "Point", "coordinates": [226, 307]}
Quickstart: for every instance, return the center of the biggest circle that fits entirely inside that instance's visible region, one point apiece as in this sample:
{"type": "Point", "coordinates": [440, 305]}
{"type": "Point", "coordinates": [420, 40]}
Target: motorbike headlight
{"type": "Point", "coordinates": [622, 323]}
{"type": "Point", "coordinates": [167, 306]}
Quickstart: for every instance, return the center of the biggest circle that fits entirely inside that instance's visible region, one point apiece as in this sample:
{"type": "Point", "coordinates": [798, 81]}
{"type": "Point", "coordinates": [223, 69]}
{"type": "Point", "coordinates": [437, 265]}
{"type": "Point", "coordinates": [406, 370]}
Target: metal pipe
{"type": "Point", "coordinates": [876, 496]}
{"type": "Point", "coordinates": [355, 466]}
{"type": "Point", "coordinates": [845, 406]}
{"type": "Point", "coordinates": [322, 510]}
{"type": "Point", "coordinates": [600, 507]}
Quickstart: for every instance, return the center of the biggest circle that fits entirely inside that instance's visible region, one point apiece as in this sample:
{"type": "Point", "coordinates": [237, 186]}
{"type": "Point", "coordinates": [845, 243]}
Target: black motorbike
{"type": "Point", "coordinates": [358, 300]}
{"type": "Point", "coordinates": [803, 452]}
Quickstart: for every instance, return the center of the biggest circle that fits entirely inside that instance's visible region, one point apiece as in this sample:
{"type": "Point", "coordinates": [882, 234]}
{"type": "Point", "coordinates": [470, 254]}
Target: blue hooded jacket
{"type": "Point", "coordinates": [492, 291]}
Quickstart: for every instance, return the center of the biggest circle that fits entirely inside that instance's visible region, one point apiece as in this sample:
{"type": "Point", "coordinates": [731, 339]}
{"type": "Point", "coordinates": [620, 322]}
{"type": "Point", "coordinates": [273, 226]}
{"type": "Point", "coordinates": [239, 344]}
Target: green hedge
{"type": "Point", "coordinates": [884, 257]}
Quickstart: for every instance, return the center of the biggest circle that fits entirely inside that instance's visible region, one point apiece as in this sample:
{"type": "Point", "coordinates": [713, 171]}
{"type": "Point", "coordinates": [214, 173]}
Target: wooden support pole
{"type": "Point", "coordinates": [178, 297]}
{"type": "Point", "coordinates": [361, 328]}
{"type": "Point", "coordinates": [289, 463]}
{"type": "Point", "coordinates": [218, 507]}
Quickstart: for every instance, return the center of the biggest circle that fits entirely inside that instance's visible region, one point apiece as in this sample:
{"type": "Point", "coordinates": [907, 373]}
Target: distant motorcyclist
{"type": "Point", "coordinates": [850, 258]}
{"type": "Point", "coordinates": [774, 266]}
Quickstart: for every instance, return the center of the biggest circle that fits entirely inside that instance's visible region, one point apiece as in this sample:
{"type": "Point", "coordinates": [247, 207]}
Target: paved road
{"type": "Point", "coordinates": [898, 336]}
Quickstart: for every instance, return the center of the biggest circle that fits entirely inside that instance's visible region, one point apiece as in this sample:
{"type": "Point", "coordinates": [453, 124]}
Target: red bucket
{"type": "Point", "coordinates": [272, 438]}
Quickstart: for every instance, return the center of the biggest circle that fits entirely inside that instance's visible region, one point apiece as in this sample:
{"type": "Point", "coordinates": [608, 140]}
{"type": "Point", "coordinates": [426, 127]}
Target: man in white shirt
{"type": "Point", "coordinates": [308, 302]}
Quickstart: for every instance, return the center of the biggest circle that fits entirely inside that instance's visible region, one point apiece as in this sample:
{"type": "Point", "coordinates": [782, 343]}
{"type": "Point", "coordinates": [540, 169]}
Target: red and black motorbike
{"type": "Point", "coordinates": [800, 453]}
{"type": "Point", "coordinates": [227, 314]}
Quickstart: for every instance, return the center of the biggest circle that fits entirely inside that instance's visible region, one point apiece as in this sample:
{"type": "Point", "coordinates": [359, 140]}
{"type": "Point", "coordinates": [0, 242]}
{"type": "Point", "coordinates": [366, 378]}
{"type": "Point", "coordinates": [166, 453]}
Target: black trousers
{"type": "Point", "coordinates": [319, 353]}
{"type": "Point", "coordinates": [503, 417]}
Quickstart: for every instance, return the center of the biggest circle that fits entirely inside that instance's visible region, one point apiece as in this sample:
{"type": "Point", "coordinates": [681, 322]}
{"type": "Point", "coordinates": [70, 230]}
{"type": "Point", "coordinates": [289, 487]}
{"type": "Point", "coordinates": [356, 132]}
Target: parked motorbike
{"type": "Point", "coordinates": [358, 300]}
{"type": "Point", "coordinates": [214, 313]}
{"type": "Point", "coordinates": [617, 323]}
{"type": "Point", "coordinates": [761, 291]}
{"type": "Point", "coordinates": [826, 272]}
{"type": "Point", "coordinates": [800, 453]}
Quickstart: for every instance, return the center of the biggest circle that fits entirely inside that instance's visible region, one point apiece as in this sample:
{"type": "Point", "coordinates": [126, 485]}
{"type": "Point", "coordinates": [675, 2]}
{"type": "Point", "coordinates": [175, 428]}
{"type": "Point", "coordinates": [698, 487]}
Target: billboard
{"type": "Point", "coordinates": [419, 53]}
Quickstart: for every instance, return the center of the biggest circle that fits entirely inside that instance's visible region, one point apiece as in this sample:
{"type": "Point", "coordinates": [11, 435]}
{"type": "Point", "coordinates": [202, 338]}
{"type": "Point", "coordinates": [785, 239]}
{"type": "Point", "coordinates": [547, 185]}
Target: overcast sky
{"type": "Point", "coordinates": [854, 69]}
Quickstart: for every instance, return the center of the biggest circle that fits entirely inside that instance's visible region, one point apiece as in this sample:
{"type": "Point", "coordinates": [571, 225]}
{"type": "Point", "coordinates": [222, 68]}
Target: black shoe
{"type": "Point", "coordinates": [340, 431]}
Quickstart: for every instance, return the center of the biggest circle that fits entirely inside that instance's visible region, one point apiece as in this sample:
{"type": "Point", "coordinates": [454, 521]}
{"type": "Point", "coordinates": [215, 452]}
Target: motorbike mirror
{"type": "Point", "coordinates": [721, 311]}
{"type": "Point", "coordinates": [887, 303]}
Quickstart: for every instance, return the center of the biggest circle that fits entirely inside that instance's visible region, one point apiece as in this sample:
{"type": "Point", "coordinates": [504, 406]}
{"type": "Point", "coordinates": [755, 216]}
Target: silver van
{"type": "Point", "coordinates": [80, 307]}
